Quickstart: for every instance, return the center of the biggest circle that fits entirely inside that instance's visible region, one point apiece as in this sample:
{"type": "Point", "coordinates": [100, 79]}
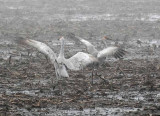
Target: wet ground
{"type": "Point", "coordinates": [129, 86]}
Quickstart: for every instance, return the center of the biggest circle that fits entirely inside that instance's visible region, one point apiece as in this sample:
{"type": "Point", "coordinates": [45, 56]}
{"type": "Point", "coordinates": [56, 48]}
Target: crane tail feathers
{"type": "Point", "coordinates": [120, 53]}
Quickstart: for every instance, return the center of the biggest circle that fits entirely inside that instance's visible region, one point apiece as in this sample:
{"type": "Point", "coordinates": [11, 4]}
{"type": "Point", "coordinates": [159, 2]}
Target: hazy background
{"type": "Point", "coordinates": [128, 86]}
{"type": "Point", "coordinates": [49, 19]}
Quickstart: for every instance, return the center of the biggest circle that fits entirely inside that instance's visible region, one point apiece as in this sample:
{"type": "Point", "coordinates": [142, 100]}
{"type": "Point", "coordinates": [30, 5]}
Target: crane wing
{"type": "Point", "coordinates": [111, 51]}
{"type": "Point", "coordinates": [43, 48]}
{"type": "Point", "coordinates": [81, 60]}
{"type": "Point", "coordinates": [90, 47]}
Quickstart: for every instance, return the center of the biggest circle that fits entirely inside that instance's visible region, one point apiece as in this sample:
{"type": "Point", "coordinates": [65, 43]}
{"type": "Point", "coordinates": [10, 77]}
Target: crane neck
{"type": "Point", "coordinates": [104, 42]}
{"type": "Point", "coordinates": [62, 49]}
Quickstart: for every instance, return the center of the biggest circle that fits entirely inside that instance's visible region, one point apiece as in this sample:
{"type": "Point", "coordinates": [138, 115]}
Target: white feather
{"type": "Point", "coordinates": [109, 51]}
{"type": "Point", "coordinates": [43, 48]}
{"type": "Point", "coordinates": [90, 47]}
{"type": "Point", "coordinates": [81, 60]}
{"type": "Point", "coordinates": [78, 61]}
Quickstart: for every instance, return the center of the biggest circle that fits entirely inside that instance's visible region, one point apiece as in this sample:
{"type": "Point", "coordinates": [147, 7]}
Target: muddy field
{"type": "Point", "coordinates": [128, 86]}
{"type": "Point", "coordinates": [122, 87]}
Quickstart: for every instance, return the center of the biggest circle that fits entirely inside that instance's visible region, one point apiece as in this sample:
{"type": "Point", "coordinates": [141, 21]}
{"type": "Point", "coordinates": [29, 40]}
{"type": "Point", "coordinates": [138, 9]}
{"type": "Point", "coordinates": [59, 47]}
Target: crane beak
{"type": "Point", "coordinates": [61, 38]}
{"type": "Point", "coordinates": [106, 38]}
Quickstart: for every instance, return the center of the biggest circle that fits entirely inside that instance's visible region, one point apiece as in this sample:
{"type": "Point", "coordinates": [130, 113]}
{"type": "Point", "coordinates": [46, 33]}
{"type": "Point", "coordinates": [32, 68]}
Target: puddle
{"type": "Point", "coordinates": [99, 17]}
{"type": "Point", "coordinates": [27, 92]}
{"type": "Point", "coordinates": [86, 112]}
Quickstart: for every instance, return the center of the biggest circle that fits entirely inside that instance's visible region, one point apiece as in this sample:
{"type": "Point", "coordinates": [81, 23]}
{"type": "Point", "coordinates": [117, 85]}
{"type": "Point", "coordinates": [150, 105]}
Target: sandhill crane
{"type": "Point", "coordinates": [104, 40]}
{"type": "Point", "coordinates": [139, 42]}
{"type": "Point", "coordinates": [60, 68]}
{"type": "Point", "coordinates": [152, 46]}
{"type": "Point", "coordinates": [101, 55]}
{"type": "Point", "coordinates": [76, 62]}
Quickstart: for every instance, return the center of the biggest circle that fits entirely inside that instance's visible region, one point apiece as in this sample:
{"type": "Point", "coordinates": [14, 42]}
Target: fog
{"type": "Point", "coordinates": [125, 86]}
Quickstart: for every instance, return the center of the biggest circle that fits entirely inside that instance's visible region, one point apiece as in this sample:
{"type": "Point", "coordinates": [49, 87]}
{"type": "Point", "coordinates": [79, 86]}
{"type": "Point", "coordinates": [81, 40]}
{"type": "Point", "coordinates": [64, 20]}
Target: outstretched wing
{"type": "Point", "coordinates": [43, 48]}
{"type": "Point", "coordinates": [90, 47]}
{"type": "Point", "coordinates": [111, 51]}
{"type": "Point", "coordinates": [81, 60]}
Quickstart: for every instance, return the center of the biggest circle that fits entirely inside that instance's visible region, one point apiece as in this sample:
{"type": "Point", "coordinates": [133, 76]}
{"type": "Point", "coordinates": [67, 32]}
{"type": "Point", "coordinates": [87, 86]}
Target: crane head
{"type": "Point", "coordinates": [106, 38]}
{"type": "Point", "coordinates": [61, 38]}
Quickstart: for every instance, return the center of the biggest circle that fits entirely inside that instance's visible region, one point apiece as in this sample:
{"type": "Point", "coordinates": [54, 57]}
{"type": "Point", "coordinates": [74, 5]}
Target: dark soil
{"type": "Point", "coordinates": [26, 87]}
